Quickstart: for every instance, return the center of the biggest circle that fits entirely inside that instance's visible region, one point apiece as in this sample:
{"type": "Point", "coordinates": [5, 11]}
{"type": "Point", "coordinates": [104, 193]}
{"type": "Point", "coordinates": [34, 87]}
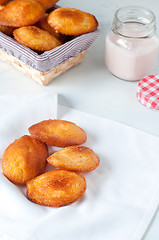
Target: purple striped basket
{"type": "Point", "coordinates": [45, 66]}
{"type": "Point", "coordinates": [48, 59]}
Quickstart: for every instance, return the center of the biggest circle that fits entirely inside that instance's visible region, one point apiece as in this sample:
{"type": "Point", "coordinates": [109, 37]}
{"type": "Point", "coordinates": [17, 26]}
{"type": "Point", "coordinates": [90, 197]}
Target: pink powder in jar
{"type": "Point", "coordinates": [131, 49]}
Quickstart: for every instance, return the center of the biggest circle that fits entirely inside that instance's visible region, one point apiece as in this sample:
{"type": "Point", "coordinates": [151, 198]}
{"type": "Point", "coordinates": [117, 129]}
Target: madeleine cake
{"type": "Point", "coordinates": [75, 158]}
{"type": "Point", "coordinates": [72, 21]}
{"type": "Point", "coordinates": [36, 38]}
{"type": "Point", "coordinates": [20, 13]}
{"type": "Point", "coordinates": [24, 159]}
{"type": "Point", "coordinates": [56, 188]}
{"type": "Point", "coordinates": [60, 133]}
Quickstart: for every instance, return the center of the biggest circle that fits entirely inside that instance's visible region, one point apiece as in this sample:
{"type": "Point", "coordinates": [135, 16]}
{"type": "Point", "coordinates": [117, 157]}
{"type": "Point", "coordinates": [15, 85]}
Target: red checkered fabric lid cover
{"type": "Point", "coordinates": [148, 91]}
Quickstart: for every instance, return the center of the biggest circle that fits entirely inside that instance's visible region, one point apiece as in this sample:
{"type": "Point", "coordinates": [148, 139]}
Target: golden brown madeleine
{"type": "Point", "coordinates": [58, 133]}
{"type": "Point", "coordinates": [20, 13]}
{"type": "Point", "coordinates": [48, 3]}
{"type": "Point", "coordinates": [75, 158]}
{"type": "Point", "coordinates": [56, 188]}
{"type": "Point", "coordinates": [36, 38]}
{"type": "Point", "coordinates": [43, 24]}
{"type": "Point", "coordinates": [71, 21]}
{"type": "Point", "coordinates": [6, 29]}
{"type": "Point", "coordinates": [24, 159]}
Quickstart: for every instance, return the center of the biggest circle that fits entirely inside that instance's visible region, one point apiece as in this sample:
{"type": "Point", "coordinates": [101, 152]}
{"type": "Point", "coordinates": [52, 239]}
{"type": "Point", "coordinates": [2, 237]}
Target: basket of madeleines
{"type": "Point", "coordinates": [42, 39]}
{"type": "Point", "coordinates": [24, 162]}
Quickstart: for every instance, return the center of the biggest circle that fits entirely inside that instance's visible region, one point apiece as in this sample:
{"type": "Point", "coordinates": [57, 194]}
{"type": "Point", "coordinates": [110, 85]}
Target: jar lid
{"type": "Point", "coordinates": [148, 91]}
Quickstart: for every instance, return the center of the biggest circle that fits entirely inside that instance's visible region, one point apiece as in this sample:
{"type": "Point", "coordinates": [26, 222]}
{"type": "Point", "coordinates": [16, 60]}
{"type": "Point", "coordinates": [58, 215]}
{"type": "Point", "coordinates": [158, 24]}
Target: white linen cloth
{"type": "Point", "coordinates": [122, 194]}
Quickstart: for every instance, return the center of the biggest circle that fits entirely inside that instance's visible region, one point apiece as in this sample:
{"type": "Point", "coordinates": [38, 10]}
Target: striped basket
{"type": "Point", "coordinates": [48, 65]}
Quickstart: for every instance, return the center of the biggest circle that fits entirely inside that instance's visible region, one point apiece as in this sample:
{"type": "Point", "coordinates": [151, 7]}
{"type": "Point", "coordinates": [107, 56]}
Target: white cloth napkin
{"type": "Point", "coordinates": [122, 193]}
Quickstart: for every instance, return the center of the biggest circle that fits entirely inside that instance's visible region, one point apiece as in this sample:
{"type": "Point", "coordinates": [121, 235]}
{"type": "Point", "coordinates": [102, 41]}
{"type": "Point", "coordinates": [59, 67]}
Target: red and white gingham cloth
{"type": "Point", "coordinates": [148, 91]}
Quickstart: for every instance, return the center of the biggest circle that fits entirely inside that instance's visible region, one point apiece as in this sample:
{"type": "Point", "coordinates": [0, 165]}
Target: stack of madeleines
{"type": "Point", "coordinates": [33, 25]}
{"type": "Point", "coordinates": [25, 159]}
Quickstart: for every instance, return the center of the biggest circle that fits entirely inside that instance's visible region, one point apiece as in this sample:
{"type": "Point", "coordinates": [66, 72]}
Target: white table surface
{"type": "Point", "coordinates": [90, 87]}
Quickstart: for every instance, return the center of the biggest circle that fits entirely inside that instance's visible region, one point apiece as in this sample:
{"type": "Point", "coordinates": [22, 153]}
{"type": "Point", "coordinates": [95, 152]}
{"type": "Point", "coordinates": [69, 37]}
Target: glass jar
{"type": "Point", "coordinates": [131, 49]}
